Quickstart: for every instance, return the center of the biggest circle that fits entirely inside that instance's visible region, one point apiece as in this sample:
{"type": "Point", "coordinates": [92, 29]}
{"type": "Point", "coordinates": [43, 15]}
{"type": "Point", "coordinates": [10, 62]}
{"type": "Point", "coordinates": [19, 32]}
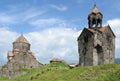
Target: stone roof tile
{"type": "Point", "coordinates": [103, 28]}
{"type": "Point", "coordinates": [21, 39]}
{"type": "Point", "coordinates": [100, 29]}
{"type": "Point", "coordinates": [95, 10]}
{"type": "Point", "coordinates": [55, 60]}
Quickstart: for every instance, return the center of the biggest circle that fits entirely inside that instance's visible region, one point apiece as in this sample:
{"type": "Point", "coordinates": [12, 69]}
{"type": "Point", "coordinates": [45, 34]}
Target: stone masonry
{"type": "Point", "coordinates": [96, 45]}
{"type": "Point", "coordinates": [19, 57]}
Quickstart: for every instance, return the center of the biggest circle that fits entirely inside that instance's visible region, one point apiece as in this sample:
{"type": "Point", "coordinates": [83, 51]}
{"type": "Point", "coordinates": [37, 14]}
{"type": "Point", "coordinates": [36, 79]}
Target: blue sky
{"type": "Point", "coordinates": [52, 26]}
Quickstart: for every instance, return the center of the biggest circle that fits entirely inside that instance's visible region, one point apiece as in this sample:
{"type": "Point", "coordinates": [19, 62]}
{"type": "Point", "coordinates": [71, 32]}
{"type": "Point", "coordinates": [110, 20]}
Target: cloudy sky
{"type": "Point", "coordinates": [52, 26]}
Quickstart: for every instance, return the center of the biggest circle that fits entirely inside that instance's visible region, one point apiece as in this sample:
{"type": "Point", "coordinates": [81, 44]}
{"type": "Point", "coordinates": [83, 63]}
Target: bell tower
{"type": "Point", "coordinates": [95, 18]}
{"type": "Point", "coordinates": [96, 43]}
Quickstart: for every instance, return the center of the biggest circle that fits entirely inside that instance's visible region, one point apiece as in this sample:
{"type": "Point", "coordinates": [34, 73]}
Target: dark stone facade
{"type": "Point", "coordinates": [19, 57]}
{"type": "Point", "coordinates": [96, 45]}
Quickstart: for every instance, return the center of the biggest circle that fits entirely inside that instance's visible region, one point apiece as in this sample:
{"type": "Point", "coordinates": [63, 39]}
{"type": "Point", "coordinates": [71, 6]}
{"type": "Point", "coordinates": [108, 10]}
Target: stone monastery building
{"type": "Point", "coordinates": [96, 45]}
{"type": "Point", "coordinates": [19, 57]}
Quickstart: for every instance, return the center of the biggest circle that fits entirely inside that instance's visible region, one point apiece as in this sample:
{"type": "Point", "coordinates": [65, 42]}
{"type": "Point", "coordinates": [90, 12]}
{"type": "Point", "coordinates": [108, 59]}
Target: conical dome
{"type": "Point", "coordinates": [95, 10]}
{"type": "Point", "coordinates": [21, 39]}
{"type": "Point", "coordinates": [95, 17]}
{"type": "Point", "coordinates": [21, 44]}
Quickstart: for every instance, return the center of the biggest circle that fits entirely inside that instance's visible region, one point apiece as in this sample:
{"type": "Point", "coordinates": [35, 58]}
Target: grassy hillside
{"type": "Point", "coordinates": [61, 72]}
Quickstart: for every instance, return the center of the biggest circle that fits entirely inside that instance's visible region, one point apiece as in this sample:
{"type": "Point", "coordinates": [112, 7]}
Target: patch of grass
{"type": "Point", "coordinates": [61, 72]}
{"type": "Point", "coordinates": [114, 77]}
{"type": "Point", "coordinates": [3, 78]}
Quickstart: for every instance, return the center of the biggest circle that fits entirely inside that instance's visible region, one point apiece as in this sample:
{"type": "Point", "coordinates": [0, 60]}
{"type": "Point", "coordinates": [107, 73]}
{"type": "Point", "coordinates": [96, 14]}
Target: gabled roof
{"type": "Point", "coordinates": [85, 30]}
{"type": "Point", "coordinates": [95, 10]}
{"type": "Point", "coordinates": [55, 60]}
{"type": "Point", "coordinates": [100, 29]}
{"type": "Point", "coordinates": [21, 39]}
{"type": "Point", "coordinates": [111, 30]}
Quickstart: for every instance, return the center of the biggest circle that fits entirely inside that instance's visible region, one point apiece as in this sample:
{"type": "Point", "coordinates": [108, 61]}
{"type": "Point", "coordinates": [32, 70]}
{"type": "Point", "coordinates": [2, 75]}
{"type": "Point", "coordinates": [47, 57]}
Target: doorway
{"type": "Point", "coordinates": [99, 51]}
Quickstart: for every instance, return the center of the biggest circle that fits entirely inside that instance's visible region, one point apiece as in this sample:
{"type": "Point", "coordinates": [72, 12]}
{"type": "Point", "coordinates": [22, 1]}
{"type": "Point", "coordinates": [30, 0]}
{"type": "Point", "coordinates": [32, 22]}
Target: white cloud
{"type": "Point", "coordinates": [59, 7]}
{"type": "Point", "coordinates": [6, 39]}
{"type": "Point", "coordinates": [14, 16]}
{"type": "Point", "coordinates": [6, 19]}
{"type": "Point", "coordinates": [52, 42]}
{"type": "Point", "coordinates": [46, 44]}
{"type": "Point", "coordinates": [48, 22]}
{"type": "Point", "coordinates": [30, 14]}
{"type": "Point", "coordinates": [55, 42]}
{"type": "Point", "coordinates": [115, 25]}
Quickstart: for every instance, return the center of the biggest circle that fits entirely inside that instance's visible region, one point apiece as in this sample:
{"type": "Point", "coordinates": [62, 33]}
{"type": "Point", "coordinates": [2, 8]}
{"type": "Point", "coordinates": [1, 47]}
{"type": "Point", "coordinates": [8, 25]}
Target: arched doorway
{"type": "Point", "coordinates": [99, 51]}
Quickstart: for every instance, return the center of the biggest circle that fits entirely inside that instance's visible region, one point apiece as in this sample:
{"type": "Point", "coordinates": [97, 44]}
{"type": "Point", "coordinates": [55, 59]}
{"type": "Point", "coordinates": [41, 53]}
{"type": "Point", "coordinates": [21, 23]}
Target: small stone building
{"type": "Point", "coordinates": [56, 60]}
{"type": "Point", "coordinates": [19, 57]}
{"type": "Point", "coordinates": [96, 45]}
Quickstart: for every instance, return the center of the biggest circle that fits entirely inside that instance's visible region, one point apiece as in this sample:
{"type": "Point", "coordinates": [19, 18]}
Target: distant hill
{"type": "Point", "coordinates": [117, 60]}
{"type": "Point", "coordinates": [61, 72]}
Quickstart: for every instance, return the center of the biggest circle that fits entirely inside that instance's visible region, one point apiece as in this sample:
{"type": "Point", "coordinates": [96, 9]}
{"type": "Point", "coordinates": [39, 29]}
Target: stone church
{"type": "Point", "coordinates": [19, 57]}
{"type": "Point", "coordinates": [96, 44]}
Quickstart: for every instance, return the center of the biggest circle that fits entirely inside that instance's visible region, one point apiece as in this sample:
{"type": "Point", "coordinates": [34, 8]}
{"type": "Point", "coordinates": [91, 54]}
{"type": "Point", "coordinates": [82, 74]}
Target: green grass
{"type": "Point", "coordinates": [61, 72]}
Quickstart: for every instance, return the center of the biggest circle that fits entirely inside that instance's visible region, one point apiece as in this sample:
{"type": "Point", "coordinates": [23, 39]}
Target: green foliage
{"type": "Point", "coordinates": [3, 78]}
{"type": "Point", "coordinates": [57, 64]}
{"type": "Point", "coordinates": [61, 72]}
{"type": "Point", "coordinates": [114, 77]}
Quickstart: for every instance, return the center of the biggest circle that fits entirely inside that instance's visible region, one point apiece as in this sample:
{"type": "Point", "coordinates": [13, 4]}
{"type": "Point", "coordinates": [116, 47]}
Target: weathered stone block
{"type": "Point", "coordinates": [20, 57]}
{"type": "Point", "coordinates": [96, 46]}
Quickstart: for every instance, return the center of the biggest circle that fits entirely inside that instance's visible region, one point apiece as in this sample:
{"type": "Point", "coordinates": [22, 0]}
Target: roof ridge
{"type": "Point", "coordinates": [95, 10]}
{"type": "Point", "coordinates": [21, 39]}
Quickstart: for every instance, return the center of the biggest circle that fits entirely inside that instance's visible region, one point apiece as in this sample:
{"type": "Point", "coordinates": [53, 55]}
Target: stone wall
{"type": "Point", "coordinates": [19, 57]}
{"type": "Point", "coordinates": [21, 46]}
{"type": "Point", "coordinates": [20, 60]}
{"type": "Point", "coordinates": [96, 46]}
